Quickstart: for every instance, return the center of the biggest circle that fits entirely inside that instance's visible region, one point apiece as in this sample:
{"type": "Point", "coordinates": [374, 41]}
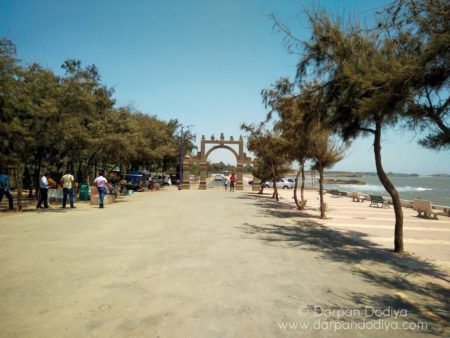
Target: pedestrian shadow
{"type": "Point", "coordinates": [50, 210]}
{"type": "Point", "coordinates": [121, 200]}
{"type": "Point", "coordinates": [408, 279]}
{"type": "Point", "coordinates": [45, 210]}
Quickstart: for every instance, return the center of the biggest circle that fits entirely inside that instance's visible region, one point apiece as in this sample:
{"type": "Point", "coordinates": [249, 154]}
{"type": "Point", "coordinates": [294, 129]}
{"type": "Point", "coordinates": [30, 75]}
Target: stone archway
{"type": "Point", "coordinates": [202, 156]}
{"type": "Point", "coordinates": [220, 146]}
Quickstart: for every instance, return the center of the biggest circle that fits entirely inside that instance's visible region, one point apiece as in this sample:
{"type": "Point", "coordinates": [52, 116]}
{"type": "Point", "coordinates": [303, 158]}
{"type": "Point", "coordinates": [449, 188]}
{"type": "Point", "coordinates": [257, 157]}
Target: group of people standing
{"type": "Point", "coordinates": [68, 184]}
{"type": "Point", "coordinates": [232, 182]}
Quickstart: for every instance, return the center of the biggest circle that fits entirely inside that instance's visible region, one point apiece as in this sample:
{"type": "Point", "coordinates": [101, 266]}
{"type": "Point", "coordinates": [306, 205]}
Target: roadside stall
{"type": "Point", "coordinates": [137, 180]}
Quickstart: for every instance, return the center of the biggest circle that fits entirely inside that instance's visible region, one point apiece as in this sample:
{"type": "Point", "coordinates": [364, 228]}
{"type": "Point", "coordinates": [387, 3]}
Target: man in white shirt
{"type": "Point", "coordinates": [67, 182]}
{"type": "Point", "coordinates": [43, 191]}
{"type": "Point", "coordinates": [101, 183]}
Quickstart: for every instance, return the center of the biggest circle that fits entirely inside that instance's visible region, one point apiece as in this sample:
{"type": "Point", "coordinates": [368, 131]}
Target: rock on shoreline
{"type": "Point", "coordinates": [331, 181]}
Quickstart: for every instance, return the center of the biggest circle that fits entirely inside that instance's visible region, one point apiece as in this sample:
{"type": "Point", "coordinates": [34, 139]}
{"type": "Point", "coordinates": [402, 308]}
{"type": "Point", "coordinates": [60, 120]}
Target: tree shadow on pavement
{"type": "Point", "coordinates": [407, 278]}
{"type": "Point", "coordinates": [282, 209]}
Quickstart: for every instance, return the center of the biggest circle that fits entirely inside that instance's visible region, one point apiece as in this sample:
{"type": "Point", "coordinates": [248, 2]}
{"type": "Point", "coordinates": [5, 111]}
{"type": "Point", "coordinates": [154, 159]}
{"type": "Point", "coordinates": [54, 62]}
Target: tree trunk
{"type": "Point", "coordinates": [37, 174]}
{"type": "Point", "coordinates": [322, 202]}
{"type": "Point", "coordinates": [28, 177]}
{"type": "Point", "coordinates": [295, 190]}
{"type": "Point", "coordinates": [302, 187]}
{"type": "Point", "coordinates": [19, 182]}
{"type": "Point", "coordinates": [390, 188]}
{"type": "Point", "coordinates": [274, 180]}
{"type": "Point", "coordinates": [261, 188]}
{"type": "Point", "coordinates": [275, 190]}
{"type": "Point", "coordinates": [79, 176]}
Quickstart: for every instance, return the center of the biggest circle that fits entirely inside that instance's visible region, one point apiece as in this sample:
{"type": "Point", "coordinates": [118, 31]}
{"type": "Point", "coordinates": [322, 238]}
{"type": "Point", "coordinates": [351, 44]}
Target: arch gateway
{"type": "Point", "coordinates": [202, 156]}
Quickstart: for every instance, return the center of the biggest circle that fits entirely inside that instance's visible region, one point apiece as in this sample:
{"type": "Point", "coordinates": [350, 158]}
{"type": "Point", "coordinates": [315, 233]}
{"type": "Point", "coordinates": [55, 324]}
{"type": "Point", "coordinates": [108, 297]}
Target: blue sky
{"type": "Point", "coordinates": [203, 62]}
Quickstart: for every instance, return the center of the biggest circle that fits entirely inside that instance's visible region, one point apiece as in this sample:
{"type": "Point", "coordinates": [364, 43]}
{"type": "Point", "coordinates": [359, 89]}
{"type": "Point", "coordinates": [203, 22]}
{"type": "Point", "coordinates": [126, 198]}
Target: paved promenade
{"type": "Point", "coordinates": [428, 239]}
{"type": "Point", "coordinates": [208, 264]}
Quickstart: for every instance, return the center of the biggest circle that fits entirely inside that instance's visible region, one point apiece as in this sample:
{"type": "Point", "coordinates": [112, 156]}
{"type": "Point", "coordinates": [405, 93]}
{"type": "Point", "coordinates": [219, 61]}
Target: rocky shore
{"type": "Point", "coordinates": [332, 181]}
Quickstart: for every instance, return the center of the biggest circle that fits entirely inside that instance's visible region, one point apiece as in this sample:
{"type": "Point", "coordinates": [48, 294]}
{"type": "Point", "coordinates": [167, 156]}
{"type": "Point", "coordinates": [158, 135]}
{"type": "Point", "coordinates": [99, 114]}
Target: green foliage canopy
{"type": "Point", "coordinates": [50, 121]}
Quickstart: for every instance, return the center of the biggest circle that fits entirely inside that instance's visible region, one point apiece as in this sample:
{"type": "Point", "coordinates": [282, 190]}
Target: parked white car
{"type": "Point", "coordinates": [162, 179]}
{"type": "Point", "coordinates": [284, 183]}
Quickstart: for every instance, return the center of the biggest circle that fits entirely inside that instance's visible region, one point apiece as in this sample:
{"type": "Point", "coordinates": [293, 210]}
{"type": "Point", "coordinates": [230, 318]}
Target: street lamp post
{"type": "Point", "coordinates": [180, 174]}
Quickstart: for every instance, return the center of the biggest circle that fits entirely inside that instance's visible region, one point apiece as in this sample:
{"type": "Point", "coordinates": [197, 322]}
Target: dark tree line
{"type": "Point", "coordinates": [50, 122]}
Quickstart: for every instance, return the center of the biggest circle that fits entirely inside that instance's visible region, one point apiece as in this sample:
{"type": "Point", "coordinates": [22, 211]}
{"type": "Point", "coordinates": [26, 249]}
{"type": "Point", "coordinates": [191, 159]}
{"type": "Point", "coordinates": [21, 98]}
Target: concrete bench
{"type": "Point", "coordinates": [425, 207]}
{"type": "Point", "coordinates": [55, 195]}
{"type": "Point", "coordinates": [376, 200]}
{"type": "Point", "coordinates": [356, 196]}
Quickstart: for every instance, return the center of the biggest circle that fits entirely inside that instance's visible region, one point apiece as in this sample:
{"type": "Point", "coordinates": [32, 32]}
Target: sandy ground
{"type": "Point", "coordinates": [210, 264]}
{"type": "Point", "coordinates": [428, 239]}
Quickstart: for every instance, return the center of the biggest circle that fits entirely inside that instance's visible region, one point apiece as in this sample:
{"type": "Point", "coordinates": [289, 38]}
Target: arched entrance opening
{"type": "Point", "coordinates": [221, 161]}
{"type": "Point", "coordinates": [202, 156]}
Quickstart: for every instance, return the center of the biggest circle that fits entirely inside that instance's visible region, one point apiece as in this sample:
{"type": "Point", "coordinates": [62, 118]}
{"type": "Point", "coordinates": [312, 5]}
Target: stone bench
{"type": "Point", "coordinates": [425, 207]}
{"type": "Point", "coordinates": [356, 197]}
{"type": "Point", "coordinates": [55, 195]}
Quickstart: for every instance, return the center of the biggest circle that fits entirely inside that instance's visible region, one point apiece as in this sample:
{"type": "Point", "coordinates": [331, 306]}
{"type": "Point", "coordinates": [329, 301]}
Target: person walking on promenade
{"type": "Point", "coordinates": [68, 183]}
{"type": "Point", "coordinates": [101, 182]}
{"type": "Point", "coordinates": [225, 183]}
{"type": "Point", "coordinates": [43, 191]}
{"type": "Point", "coordinates": [232, 182]}
{"type": "Point", "coordinates": [5, 189]}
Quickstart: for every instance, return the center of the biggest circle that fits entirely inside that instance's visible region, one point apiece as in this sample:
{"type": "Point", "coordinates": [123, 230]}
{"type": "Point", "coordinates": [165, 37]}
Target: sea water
{"type": "Point", "coordinates": [433, 188]}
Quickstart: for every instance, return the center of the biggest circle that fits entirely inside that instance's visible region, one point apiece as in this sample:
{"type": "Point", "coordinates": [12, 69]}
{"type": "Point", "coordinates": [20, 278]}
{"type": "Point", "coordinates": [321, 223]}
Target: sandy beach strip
{"type": "Point", "coordinates": [428, 239]}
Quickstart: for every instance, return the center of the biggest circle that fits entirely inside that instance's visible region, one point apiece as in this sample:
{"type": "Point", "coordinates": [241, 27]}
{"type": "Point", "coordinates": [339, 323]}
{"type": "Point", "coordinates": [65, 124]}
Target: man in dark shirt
{"type": "Point", "coordinates": [5, 189]}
